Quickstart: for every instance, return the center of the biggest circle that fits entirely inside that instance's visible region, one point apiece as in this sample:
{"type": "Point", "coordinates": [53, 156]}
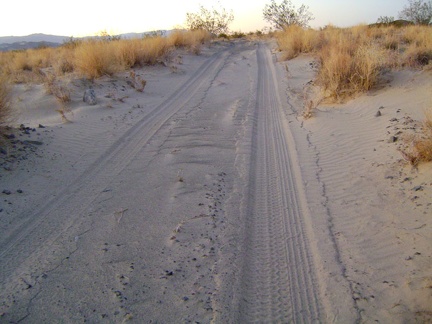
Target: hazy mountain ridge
{"type": "Point", "coordinates": [8, 43]}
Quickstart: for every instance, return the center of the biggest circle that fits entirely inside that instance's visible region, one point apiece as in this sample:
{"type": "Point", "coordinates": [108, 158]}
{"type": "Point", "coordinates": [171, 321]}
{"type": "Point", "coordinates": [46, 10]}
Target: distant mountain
{"type": "Point", "coordinates": [34, 38]}
{"type": "Point", "coordinates": [26, 45]}
{"type": "Point", "coordinates": [8, 43]}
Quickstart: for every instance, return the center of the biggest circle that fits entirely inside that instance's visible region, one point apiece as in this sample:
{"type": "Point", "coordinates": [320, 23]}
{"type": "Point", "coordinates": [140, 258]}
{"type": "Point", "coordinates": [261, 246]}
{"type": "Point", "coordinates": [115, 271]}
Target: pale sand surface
{"type": "Point", "coordinates": [207, 198]}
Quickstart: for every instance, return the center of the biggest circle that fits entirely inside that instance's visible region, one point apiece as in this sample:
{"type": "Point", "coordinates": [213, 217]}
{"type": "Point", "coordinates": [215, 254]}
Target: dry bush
{"type": "Point", "coordinates": [295, 40]}
{"type": "Point", "coordinates": [423, 145]}
{"type": "Point", "coordinates": [153, 50]}
{"type": "Point", "coordinates": [64, 61]}
{"type": "Point", "coordinates": [138, 83]}
{"type": "Point", "coordinates": [192, 39]}
{"type": "Point", "coordinates": [350, 66]}
{"type": "Point", "coordinates": [4, 100]}
{"type": "Point", "coordinates": [94, 59]}
{"type": "Point", "coordinates": [139, 52]}
{"type": "Point", "coordinates": [419, 146]}
{"type": "Point", "coordinates": [128, 53]}
{"type": "Point", "coordinates": [351, 59]}
{"type": "Point", "coordinates": [56, 88]}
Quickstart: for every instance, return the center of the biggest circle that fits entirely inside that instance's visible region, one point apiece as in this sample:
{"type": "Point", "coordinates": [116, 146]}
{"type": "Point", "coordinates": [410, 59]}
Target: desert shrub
{"type": "Point", "coordinates": [215, 21]}
{"type": "Point", "coordinates": [419, 147]}
{"type": "Point", "coordinates": [152, 50]}
{"type": "Point", "coordinates": [137, 82]}
{"type": "Point", "coordinates": [238, 34]}
{"type": "Point", "coordinates": [4, 100]}
{"type": "Point", "coordinates": [295, 40]}
{"type": "Point", "coordinates": [418, 12]}
{"type": "Point", "coordinates": [284, 15]}
{"type": "Point", "coordinates": [94, 59]}
{"type": "Point", "coordinates": [21, 61]}
{"type": "Point", "coordinates": [351, 59]}
{"type": "Point", "coordinates": [190, 39]}
{"type": "Point", "coordinates": [97, 57]}
{"type": "Point", "coordinates": [128, 53]}
{"type": "Point", "coordinates": [55, 87]}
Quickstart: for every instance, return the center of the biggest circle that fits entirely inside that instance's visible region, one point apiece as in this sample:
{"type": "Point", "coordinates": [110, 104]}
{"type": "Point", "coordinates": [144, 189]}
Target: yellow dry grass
{"type": "Point", "coordinates": [95, 58]}
{"type": "Point", "coordinates": [4, 100]}
{"type": "Point", "coordinates": [351, 59]}
{"type": "Point", "coordinates": [423, 144]}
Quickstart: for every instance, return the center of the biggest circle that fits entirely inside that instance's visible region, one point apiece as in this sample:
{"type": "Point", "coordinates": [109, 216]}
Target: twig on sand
{"type": "Point", "coordinates": [119, 214]}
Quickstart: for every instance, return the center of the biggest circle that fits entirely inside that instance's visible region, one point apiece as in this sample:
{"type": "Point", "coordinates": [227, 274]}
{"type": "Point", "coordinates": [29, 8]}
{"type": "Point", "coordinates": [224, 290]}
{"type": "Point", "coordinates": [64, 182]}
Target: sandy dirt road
{"type": "Point", "coordinates": [194, 213]}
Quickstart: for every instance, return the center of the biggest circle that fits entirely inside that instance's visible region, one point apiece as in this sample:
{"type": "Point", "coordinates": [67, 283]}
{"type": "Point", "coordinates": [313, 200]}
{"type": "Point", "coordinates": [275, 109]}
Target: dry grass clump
{"type": "Point", "coordinates": [419, 146]}
{"type": "Point", "coordinates": [191, 39]}
{"type": "Point", "coordinates": [352, 59]}
{"type": "Point", "coordinates": [94, 59]}
{"type": "Point", "coordinates": [4, 100]}
{"type": "Point", "coordinates": [347, 69]}
{"type": "Point", "coordinates": [97, 57]}
{"type": "Point", "coordinates": [295, 40]}
{"type": "Point", "coordinates": [55, 87]}
{"type": "Point", "coordinates": [137, 82]}
{"type": "Point", "coordinates": [423, 145]}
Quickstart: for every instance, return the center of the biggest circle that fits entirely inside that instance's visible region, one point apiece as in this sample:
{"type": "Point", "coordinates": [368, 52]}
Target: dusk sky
{"type": "Point", "coordinates": [85, 18]}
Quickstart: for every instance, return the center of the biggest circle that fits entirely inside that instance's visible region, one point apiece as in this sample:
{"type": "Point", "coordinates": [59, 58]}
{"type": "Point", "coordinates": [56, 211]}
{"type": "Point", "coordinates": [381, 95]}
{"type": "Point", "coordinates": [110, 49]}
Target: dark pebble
{"type": "Point", "coordinates": [418, 188]}
{"type": "Point", "coordinates": [378, 114]}
{"type": "Point", "coordinates": [393, 139]}
{"type": "Point", "coordinates": [6, 192]}
{"type": "Point", "coordinates": [19, 191]}
{"type": "Point", "coordinates": [185, 298]}
{"type": "Point", "coordinates": [41, 126]}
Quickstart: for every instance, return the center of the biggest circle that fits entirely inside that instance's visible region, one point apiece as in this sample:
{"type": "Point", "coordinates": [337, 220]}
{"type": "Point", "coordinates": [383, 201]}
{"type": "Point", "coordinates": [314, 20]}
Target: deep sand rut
{"type": "Point", "coordinates": [279, 282]}
{"type": "Point", "coordinates": [194, 214]}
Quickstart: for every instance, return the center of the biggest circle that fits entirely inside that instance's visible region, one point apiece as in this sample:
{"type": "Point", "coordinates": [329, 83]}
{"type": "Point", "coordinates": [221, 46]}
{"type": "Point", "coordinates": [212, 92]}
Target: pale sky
{"type": "Point", "coordinates": [88, 17]}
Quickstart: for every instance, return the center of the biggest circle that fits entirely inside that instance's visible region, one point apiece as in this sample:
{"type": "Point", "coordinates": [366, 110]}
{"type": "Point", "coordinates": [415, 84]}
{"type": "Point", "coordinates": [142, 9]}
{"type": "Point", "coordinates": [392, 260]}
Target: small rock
{"type": "Point", "coordinates": [41, 126]}
{"type": "Point", "coordinates": [393, 139]}
{"type": "Point", "coordinates": [6, 192]}
{"type": "Point", "coordinates": [11, 136]}
{"type": "Point", "coordinates": [418, 188]}
{"type": "Point", "coordinates": [90, 97]}
{"type": "Point", "coordinates": [185, 298]}
{"type": "Point", "coordinates": [19, 191]}
{"type": "Point", "coordinates": [394, 120]}
{"type": "Point", "coordinates": [378, 114]}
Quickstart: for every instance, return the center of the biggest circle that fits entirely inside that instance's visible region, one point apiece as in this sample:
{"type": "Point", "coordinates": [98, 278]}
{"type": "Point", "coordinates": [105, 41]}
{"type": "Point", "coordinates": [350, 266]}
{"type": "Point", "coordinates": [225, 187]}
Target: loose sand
{"type": "Point", "coordinates": [208, 198]}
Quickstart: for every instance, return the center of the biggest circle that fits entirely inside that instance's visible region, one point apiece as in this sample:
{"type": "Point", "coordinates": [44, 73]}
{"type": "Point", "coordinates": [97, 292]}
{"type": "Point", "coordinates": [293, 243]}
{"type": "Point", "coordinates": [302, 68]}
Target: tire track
{"type": "Point", "coordinates": [49, 221]}
{"type": "Point", "coordinates": [279, 283]}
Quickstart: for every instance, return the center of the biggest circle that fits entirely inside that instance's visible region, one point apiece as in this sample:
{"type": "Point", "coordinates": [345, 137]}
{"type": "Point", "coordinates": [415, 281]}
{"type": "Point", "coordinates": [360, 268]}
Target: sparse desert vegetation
{"type": "Point", "coordinates": [196, 181]}
{"type": "Point", "coordinates": [418, 147]}
{"type": "Point", "coordinates": [4, 100]}
{"type": "Point", "coordinates": [97, 57]}
{"type": "Point", "coordinates": [90, 59]}
{"type": "Point", "coordinates": [352, 59]}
